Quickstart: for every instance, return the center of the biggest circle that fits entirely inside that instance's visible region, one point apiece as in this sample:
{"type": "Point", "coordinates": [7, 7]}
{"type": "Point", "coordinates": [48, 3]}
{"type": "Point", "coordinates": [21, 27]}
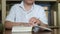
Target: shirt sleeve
{"type": "Point", "coordinates": [11, 15]}
{"type": "Point", "coordinates": [42, 16]}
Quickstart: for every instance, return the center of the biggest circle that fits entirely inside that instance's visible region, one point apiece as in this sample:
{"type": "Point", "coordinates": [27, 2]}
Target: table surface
{"type": "Point", "coordinates": [9, 32]}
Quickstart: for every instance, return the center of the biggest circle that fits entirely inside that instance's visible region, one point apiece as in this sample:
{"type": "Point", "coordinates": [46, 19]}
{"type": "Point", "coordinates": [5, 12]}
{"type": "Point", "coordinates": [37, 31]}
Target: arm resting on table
{"type": "Point", "coordinates": [9, 24]}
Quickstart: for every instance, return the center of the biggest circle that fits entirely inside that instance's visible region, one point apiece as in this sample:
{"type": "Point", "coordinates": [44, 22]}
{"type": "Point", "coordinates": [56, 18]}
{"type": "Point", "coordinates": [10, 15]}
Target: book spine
{"type": "Point", "coordinates": [55, 22]}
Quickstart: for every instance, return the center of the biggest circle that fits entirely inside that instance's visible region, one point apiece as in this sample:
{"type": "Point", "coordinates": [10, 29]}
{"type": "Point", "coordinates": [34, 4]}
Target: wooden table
{"type": "Point", "coordinates": [9, 32]}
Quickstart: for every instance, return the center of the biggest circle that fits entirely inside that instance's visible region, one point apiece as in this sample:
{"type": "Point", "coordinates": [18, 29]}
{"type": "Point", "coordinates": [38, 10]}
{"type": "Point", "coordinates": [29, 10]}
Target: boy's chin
{"type": "Point", "coordinates": [30, 2]}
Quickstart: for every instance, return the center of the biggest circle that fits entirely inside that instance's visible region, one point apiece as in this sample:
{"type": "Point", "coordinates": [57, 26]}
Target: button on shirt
{"type": "Point", "coordinates": [19, 14]}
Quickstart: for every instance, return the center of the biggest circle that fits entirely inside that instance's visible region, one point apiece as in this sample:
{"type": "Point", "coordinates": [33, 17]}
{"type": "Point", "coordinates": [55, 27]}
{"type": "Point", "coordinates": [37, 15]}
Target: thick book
{"type": "Point", "coordinates": [21, 29]}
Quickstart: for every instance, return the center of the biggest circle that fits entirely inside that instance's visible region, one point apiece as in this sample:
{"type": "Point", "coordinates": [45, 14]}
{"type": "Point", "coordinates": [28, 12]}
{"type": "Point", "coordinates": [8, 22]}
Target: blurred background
{"type": "Point", "coordinates": [1, 25]}
{"type": "Point", "coordinates": [52, 9]}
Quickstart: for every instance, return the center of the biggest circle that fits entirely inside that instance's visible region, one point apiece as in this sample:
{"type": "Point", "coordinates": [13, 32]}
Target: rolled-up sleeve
{"type": "Point", "coordinates": [11, 15]}
{"type": "Point", "coordinates": [42, 16]}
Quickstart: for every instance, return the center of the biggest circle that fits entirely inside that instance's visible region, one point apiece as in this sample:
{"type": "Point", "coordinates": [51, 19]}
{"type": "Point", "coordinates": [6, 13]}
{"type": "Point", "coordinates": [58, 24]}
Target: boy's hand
{"type": "Point", "coordinates": [34, 21]}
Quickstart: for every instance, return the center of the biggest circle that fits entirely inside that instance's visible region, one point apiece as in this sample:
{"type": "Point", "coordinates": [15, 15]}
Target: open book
{"type": "Point", "coordinates": [29, 29]}
{"type": "Point", "coordinates": [40, 28]}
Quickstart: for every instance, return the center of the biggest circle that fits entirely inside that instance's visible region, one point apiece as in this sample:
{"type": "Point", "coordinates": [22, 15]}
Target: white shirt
{"type": "Point", "coordinates": [19, 14]}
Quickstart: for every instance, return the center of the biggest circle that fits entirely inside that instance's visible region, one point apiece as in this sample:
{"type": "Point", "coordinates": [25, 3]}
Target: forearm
{"type": "Point", "coordinates": [9, 25]}
{"type": "Point", "coordinates": [44, 25]}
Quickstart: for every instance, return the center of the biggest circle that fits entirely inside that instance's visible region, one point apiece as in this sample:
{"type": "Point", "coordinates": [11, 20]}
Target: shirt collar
{"type": "Point", "coordinates": [22, 6]}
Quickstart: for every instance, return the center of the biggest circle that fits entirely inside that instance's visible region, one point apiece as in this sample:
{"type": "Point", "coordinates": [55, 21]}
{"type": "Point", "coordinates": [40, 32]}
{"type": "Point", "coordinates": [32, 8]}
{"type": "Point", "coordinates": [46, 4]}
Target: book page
{"type": "Point", "coordinates": [21, 29]}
